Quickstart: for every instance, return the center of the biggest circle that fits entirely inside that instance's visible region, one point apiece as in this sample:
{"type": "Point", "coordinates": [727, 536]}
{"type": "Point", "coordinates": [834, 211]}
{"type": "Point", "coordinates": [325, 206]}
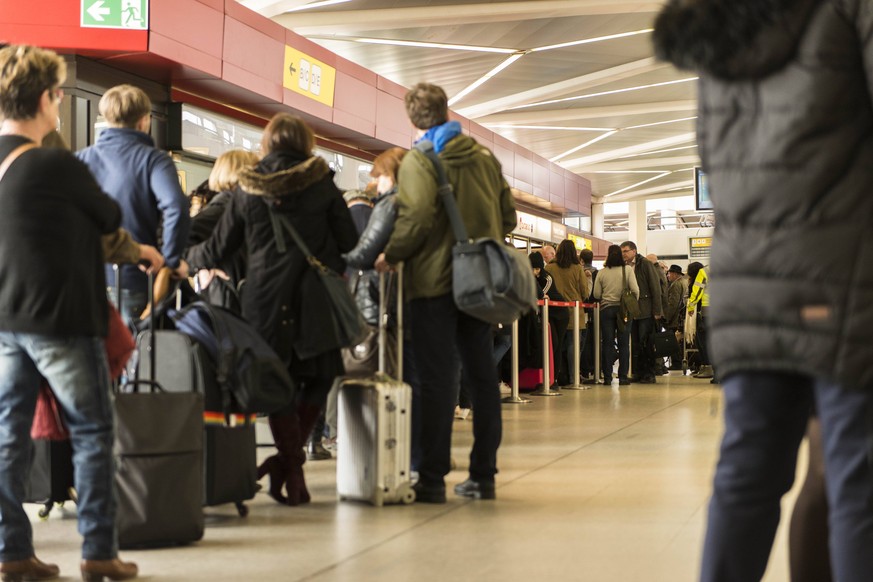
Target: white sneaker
{"type": "Point", "coordinates": [461, 413]}
{"type": "Point", "coordinates": [505, 388]}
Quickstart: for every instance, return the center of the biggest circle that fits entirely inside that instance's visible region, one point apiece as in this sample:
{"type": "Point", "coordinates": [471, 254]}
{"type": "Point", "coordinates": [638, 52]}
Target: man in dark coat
{"type": "Point", "coordinates": [785, 132]}
{"type": "Point", "coordinates": [650, 313]}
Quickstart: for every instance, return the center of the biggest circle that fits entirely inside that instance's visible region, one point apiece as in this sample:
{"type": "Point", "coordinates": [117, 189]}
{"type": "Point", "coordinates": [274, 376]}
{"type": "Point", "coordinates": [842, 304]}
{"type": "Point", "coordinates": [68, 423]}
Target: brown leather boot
{"type": "Point", "coordinates": [289, 441]}
{"type": "Point", "coordinates": [30, 569]}
{"type": "Point", "coordinates": [115, 569]}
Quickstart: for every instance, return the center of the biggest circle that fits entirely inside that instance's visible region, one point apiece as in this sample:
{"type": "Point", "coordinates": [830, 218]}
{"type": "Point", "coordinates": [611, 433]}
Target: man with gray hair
{"type": "Point", "coordinates": [144, 182]}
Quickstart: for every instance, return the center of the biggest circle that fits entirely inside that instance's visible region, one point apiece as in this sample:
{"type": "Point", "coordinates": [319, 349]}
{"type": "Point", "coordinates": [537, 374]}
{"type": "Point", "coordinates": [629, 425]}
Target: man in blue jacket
{"type": "Point", "coordinates": [144, 182]}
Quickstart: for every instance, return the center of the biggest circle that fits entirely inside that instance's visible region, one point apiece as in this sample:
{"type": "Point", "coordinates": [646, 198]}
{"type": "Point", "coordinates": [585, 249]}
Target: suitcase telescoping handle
{"type": "Point", "coordinates": [152, 382]}
{"type": "Point", "coordinates": [386, 281]}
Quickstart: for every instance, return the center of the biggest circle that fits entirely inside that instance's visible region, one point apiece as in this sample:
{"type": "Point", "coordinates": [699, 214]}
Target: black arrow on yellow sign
{"type": "Point", "coordinates": [292, 69]}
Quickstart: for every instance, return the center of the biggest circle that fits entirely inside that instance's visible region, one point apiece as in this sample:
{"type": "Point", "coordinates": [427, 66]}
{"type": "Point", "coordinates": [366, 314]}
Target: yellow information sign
{"type": "Point", "coordinates": [309, 76]}
{"type": "Point", "coordinates": [581, 242]}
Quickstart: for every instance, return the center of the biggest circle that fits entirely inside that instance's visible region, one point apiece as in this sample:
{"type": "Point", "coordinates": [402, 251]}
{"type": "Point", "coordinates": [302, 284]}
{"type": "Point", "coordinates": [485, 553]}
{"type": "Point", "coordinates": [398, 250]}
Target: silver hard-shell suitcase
{"type": "Point", "coordinates": [374, 426]}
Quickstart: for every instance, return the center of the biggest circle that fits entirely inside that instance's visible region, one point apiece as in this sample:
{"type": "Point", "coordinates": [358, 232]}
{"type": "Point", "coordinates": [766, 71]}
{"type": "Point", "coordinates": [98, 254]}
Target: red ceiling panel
{"type": "Point", "coordinates": [259, 58]}
{"type": "Point", "coordinates": [188, 23]}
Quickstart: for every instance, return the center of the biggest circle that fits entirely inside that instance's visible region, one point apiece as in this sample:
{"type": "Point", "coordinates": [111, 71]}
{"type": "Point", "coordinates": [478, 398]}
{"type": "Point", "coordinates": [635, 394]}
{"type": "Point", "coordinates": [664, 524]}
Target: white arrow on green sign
{"type": "Point", "coordinates": [129, 14]}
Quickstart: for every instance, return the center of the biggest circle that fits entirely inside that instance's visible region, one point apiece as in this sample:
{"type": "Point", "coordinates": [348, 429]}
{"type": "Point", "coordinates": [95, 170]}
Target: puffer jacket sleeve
{"type": "Point", "coordinates": [375, 236]}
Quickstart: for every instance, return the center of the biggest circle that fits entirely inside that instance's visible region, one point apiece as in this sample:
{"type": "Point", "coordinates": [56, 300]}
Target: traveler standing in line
{"type": "Point", "coordinates": [785, 130]}
{"type": "Point", "coordinates": [674, 312]}
{"type": "Point", "coordinates": [608, 288]}
{"type": "Point", "coordinates": [221, 286]}
{"type": "Point", "coordinates": [587, 258]}
{"type": "Point", "coordinates": [291, 182]}
{"type": "Point", "coordinates": [650, 312]}
{"type": "Point", "coordinates": [549, 253]}
{"type": "Point", "coordinates": [570, 279]}
{"type": "Point", "coordinates": [698, 307]}
{"type": "Point", "coordinates": [144, 182]}
{"type": "Point", "coordinates": [53, 317]}
{"type": "Point", "coordinates": [423, 238]}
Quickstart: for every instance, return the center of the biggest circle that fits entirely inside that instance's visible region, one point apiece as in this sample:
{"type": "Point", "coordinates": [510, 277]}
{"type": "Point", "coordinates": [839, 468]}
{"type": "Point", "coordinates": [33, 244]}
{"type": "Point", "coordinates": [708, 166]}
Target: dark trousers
{"type": "Point", "coordinates": [609, 336]}
{"type": "Point", "coordinates": [643, 355]}
{"type": "Point", "coordinates": [587, 367]}
{"type": "Point", "coordinates": [703, 337]}
{"type": "Point", "coordinates": [442, 336]}
{"type": "Point", "coordinates": [766, 415]}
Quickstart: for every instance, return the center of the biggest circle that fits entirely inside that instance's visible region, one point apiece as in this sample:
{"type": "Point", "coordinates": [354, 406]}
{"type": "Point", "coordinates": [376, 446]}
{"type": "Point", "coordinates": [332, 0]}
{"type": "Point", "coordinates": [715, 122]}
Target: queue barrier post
{"type": "Point", "coordinates": [598, 362]}
{"type": "Point", "coordinates": [546, 390]}
{"type": "Point", "coordinates": [514, 398]}
{"type": "Point", "coordinates": [577, 349]}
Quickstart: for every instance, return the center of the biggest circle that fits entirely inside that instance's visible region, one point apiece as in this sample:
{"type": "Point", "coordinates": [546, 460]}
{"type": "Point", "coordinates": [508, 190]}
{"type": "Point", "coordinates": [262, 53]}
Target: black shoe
{"type": "Point", "coordinates": [647, 380]}
{"type": "Point", "coordinates": [429, 493]}
{"type": "Point", "coordinates": [315, 451]}
{"type": "Point", "coordinates": [624, 381]}
{"type": "Point", "coordinates": [607, 380]}
{"type": "Point", "coordinates": [476, 489]}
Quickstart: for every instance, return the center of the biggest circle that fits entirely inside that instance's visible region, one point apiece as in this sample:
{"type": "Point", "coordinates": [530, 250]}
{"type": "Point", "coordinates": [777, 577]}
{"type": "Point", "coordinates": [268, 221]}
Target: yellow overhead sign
{"type": "Point", "coordinates": [309, 76]}
{"type": "Point", "coordinates": [581, 242]}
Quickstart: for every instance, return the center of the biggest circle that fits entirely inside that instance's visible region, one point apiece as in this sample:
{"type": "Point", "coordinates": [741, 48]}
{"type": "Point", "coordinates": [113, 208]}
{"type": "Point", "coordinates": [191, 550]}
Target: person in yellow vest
{"type": "Point", "coordinates": [698, 303]}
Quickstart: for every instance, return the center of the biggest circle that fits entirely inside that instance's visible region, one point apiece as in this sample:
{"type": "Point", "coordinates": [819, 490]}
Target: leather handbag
{"type": "Point", "coordinates": [665, 344]}
{"type": "Point", "coordinates": [326, 302]}
{"type": "Point", "coordinates": [490, 280]}
{"type": "Point", "coordinates": [628, 305]}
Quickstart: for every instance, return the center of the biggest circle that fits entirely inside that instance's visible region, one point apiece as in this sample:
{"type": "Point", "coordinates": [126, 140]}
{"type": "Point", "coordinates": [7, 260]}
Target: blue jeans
{"type": "Point", "coordinates": [76, 369]}
{"type": "Point", "coordinates": [132, 303]}
{"type": "Point", "coordinates": [609, 334]}
{"type": "Point", "coordinates": [766, 414]}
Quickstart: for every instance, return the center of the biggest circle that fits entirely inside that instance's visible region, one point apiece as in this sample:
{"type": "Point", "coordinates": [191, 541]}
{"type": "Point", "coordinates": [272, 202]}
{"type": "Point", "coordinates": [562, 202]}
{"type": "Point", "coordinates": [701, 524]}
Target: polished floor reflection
{"type": "Point", "coordinates": [603, 485]}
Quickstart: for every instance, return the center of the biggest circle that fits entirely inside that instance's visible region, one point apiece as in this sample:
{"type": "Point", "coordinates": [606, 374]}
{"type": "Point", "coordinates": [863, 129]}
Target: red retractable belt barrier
{"type": "Point", "coordinates": [568, 304]}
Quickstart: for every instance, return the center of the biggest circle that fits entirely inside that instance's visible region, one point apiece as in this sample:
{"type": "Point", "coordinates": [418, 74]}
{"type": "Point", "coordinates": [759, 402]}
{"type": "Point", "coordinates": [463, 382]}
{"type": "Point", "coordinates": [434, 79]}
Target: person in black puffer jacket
{"type": "Point", "coordinates": [785, 132]}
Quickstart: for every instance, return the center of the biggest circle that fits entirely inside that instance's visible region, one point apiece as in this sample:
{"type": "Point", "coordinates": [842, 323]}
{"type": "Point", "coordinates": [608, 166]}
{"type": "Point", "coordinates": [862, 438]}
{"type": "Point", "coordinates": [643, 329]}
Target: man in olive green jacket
{"type": "Point", "coordinates": [441, 334]}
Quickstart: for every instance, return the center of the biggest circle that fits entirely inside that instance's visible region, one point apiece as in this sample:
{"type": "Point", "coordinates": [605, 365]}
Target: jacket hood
{"type": "Point", "coordinates": [460, 151]}
{"type": "Point", "coordinates": [731, 39]}
{"type": "Point", "coordinates": [281, 174]}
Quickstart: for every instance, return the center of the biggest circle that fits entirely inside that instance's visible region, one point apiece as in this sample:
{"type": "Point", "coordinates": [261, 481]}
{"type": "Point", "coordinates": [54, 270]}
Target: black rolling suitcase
{"type": "Point", "coordinates": [159, 456]}
{"type": "Point", "coordinates": [50, 480]}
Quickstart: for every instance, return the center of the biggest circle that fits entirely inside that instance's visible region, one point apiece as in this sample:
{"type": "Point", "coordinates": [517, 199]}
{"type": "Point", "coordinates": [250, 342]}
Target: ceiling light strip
{"type": "Point", "coordinates": [660, 123]}
{"type": "Point", "coordinates": [602, 93]}
{"type": "Point", "coordinates": [418, 44]}
{"type": "Point", "coordinates": [658, 152]}
{"type": "Point", "coordinates": [632, 186]}
{"type": "Point", "coordinates": [320, 4]}
{"type": "Point", "coordinates": [549, 127]}
{"type": "Point", "coordinates": [590, 40]}
{"type": "Point", "coordinates": [583, 146]}
{"type": "Point", "coordinates": [481, 81]}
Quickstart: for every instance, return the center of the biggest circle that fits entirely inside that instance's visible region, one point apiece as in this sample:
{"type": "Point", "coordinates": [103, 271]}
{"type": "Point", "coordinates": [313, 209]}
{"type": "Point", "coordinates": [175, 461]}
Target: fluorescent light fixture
{"type": "Point", "coordinates": [658, 152]}
{"type": "Point", "coordinates": [316, 5]}
{"type": "Point", "coordinates": [590, 40]}
{"type": "Point", "coordinates": [418, 44]}
{"type": "Point", "coordinates": [632, 186]}
{"type": "Point", "coordinates": [679, 188]}
{"type": "Point", "coordinates": [583, 146]}
{"type": "Point", "coordinates": [628, 172]}
{"type": "Point", "coordinates": [660, 123]}
{"type": "Point", "coordinates": [550, 127]}
{"type": "Point", "coordinates": [602, 93]}
{"type": "Point", "coordinates": [481, 81]}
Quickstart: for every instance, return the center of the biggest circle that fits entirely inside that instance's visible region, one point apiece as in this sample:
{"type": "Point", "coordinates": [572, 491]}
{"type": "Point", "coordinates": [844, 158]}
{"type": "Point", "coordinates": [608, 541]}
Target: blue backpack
{"type": "Point", "coordinates": [251, 377]}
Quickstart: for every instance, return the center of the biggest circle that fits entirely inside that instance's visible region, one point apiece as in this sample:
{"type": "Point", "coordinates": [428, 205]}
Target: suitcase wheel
{"type": "Point", "coordinates": [407, 494]}
{"type": "Point", "coordinates": [242, 509]}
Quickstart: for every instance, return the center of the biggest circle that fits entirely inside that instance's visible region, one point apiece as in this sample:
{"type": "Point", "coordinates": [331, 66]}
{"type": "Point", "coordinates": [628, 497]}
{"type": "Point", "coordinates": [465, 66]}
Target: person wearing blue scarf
{"type": "Point", "coordinates": [442, 336]}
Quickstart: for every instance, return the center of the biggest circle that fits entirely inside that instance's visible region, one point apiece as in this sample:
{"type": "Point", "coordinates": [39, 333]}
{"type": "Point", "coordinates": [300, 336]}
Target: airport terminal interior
{"type": "Point", "coordinates": [596, 139]}
{"type": "Point", "coordinates": [602, 485]}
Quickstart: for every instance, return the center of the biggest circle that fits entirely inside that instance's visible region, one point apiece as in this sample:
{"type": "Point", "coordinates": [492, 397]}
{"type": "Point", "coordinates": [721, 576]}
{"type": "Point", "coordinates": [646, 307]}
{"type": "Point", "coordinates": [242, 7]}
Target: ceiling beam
{"type": "Point", "coordinates": [649, 192]}
{"type": "Point", "coordinates": [643, 164]}
{"type": "Point", "coordinates": [346, 21]}
{"type": "Point", "coordinates": [545, 92]}
{"type": "Point", "coordinates": [525, 117]}
{"type": "Point", "coordinates": [585, 161]}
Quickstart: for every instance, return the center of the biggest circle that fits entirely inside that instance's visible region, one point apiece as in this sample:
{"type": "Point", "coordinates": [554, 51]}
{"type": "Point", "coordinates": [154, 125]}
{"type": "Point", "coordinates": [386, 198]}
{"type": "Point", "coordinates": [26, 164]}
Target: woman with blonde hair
{"type": "Point", "coordinates": [289, 185]}
{"type": "Point", "coordinates": [222, 284]}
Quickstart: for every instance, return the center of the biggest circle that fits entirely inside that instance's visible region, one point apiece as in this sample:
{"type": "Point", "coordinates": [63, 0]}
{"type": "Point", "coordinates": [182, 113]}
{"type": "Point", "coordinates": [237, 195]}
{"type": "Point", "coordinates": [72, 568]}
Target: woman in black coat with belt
{"type": "Point", "coordinates": [290, 182]}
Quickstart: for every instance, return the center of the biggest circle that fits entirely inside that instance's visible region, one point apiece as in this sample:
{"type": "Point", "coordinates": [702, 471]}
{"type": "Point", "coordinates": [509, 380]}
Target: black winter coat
{"type": "Point", "coordinates": [304, 190]}
{"type": "Point", "coordinates": [365, 281]}
{"type": "Point", "coordinates": [785, 132]}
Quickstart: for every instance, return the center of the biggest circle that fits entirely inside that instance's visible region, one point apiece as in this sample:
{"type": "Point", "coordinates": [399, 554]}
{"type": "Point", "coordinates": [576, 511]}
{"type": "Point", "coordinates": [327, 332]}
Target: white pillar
{"type": "Point", "coordinates": [597, 219]}
{"type": "Point", "coordinates": [638, 225]}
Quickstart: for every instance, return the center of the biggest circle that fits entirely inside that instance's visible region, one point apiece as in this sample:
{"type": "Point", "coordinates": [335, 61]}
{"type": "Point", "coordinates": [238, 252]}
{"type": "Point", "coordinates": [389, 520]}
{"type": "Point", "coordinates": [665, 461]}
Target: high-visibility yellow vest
{"type": "Point", "coordinates": [699, 293]}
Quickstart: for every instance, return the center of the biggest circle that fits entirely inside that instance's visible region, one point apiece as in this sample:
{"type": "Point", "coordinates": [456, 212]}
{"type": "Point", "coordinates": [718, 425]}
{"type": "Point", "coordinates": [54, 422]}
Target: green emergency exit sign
{"type": "Point", "coordinates": [129, 14]}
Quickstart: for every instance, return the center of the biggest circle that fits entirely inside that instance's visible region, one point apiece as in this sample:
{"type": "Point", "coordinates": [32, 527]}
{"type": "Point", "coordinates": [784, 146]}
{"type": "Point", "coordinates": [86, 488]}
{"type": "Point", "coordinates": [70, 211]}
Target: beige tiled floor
{"type": "Point", "coordinates": [604, 485]}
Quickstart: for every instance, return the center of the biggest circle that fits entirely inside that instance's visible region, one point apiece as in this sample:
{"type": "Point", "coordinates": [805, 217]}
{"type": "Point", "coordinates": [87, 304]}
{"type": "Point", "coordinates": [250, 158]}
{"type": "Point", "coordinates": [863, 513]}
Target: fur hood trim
{"type": "Point", "coordinates": [276, 184]}
{"type": "Point", "coordinates": [731, 39]}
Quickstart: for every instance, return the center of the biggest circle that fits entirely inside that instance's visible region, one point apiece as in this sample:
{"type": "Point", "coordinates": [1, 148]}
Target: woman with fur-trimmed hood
{"type": "Point", "coordinates": [785, 132]}
{"type": "Point", "coordinates": [292, 182]}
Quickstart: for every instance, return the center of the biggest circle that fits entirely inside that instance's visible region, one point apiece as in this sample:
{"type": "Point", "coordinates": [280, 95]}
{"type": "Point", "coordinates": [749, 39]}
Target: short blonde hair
{"type": "Point", "coordinates": [225, 172]}
{"type": "Point", "coordinates": [25, 73]}
{"type": "Point", "coordinates": [125, 105]}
